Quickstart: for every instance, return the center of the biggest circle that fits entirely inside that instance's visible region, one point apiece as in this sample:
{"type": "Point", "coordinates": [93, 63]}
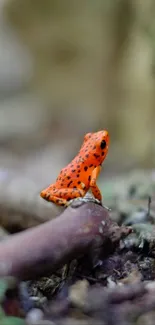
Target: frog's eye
{"type": "Point", "coordinates": [103, 144]}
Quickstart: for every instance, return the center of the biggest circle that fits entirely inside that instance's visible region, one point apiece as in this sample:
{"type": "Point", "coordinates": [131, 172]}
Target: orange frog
{"type": "Point", "coordinates": [81, 174]}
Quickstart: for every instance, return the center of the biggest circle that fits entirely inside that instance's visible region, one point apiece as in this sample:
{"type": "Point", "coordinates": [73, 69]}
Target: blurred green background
{"type": "Point", "coordinates": [71, 67]}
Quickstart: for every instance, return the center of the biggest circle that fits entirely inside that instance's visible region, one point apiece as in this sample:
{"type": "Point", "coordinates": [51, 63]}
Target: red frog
{"type": "Point", "coordinates": [81, 173]}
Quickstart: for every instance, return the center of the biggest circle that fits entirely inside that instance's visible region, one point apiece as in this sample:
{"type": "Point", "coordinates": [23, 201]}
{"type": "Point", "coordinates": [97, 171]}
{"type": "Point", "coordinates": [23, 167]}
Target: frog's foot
{"type": "Point", "coordinates": [86, 199]}
{"type": "Point", "coordinates": [81, 200]}
{"type": "Point", "coordinates": [89, 198]}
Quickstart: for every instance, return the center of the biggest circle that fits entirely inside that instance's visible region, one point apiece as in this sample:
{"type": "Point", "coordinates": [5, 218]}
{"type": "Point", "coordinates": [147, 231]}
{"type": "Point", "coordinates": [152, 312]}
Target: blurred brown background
{"type": "Point", "coordinates": [71, 67]}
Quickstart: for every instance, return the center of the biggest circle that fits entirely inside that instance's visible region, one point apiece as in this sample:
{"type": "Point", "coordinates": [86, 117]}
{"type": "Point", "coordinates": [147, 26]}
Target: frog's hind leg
{"type": "Point", "coordinates": [62, 196]}
{"type": "Point", "coordinates": [56, 200]}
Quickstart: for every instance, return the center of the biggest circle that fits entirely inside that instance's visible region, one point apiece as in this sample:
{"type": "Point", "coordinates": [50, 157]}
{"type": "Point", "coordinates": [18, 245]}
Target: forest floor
{"type": "Point", "coordinates": [82, 265]}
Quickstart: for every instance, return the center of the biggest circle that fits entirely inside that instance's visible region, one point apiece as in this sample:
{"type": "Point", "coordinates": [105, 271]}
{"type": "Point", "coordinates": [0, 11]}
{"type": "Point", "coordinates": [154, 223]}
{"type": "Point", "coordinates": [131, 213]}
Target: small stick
{"type": "Point", "coordinates": [41, 250]}
{"type": "Point", "coordinates": [149, 206]}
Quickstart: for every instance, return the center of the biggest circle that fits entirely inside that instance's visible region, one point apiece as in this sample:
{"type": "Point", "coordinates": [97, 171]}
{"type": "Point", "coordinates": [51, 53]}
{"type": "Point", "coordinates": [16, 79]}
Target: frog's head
{"type": "Point", "coordinates": [102, 144]}
{"type": "Point", "coordinates": [103, 138]}
{"type": "Point", "coordinates": [96, 145]}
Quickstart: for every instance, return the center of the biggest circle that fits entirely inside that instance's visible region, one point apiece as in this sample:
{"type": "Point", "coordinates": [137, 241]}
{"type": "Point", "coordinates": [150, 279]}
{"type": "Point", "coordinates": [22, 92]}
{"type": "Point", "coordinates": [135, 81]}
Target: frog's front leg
{"type": "Point", "coordinates": [93, 186]}
{"type": "Point", "coordinates": [62, 196]}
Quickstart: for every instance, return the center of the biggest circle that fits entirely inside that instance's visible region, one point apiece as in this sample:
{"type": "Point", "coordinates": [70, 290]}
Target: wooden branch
{"type": "Point", "coordinates": [41, 250]}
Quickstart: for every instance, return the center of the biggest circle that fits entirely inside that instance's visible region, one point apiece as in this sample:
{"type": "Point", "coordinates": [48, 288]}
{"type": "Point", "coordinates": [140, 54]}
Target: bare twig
{"type": "Point", "coordinates": [78, 230]}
